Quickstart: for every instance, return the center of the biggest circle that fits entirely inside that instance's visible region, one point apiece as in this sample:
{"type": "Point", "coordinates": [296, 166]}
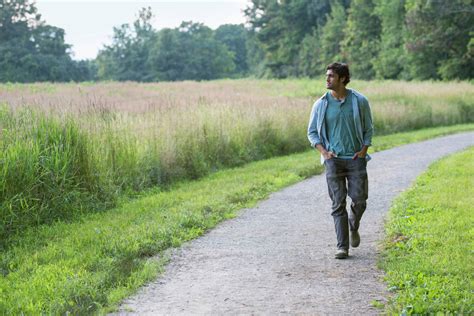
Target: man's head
{"type": "Point", "coordinates": [337, 75]}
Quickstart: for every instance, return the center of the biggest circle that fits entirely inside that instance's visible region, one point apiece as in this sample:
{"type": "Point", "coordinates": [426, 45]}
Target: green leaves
{"type": "Point", "coordinates": [191, 51]}
{"type": "Point", "coordinates": [386, 39]}
{"type": "Point", "coordinates": [31, 50]}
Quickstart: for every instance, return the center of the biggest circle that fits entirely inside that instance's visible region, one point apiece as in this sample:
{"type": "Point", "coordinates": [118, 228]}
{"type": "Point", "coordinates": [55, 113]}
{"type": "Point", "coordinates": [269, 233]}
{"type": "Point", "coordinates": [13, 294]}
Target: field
{"type": "Point", "coordinates": [73, 152]}
{"type": "Point", "coordinates": [71, 149]}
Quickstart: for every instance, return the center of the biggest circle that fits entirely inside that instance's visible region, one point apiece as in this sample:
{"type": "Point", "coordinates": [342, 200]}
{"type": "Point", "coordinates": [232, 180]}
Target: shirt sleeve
{"type": "Point", "coordinates": [367, 124]}
{"type": "Point", "coordinates": [313, 135]}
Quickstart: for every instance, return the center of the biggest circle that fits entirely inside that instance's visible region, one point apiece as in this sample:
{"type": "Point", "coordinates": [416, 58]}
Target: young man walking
{"type": "Point", "coordinates": [341, 128]}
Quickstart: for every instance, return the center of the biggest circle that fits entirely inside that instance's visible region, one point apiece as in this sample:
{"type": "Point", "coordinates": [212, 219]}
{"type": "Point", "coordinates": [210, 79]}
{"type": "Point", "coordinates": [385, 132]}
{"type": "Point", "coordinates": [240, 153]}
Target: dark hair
{"type": "Point", "coordinates": [342, 70]}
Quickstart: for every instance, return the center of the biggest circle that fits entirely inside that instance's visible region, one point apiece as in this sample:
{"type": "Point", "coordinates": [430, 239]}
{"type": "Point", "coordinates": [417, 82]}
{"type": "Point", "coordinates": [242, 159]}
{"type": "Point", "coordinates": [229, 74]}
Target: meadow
{"type": "Point", "coordinates": [72, 149]}
{"type": "Point", "coordinates": [73, 155]}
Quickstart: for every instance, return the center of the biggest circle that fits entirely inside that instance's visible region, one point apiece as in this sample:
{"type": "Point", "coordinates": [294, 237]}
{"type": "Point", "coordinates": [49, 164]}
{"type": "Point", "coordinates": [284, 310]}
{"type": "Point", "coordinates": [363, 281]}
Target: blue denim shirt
{"type": "Point", "coordinates": [362, 120]}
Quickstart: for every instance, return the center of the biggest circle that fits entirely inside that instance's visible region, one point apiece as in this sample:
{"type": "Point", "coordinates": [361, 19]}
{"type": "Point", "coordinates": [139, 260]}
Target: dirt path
{"type": "Point", "coordinates": [277, 258]}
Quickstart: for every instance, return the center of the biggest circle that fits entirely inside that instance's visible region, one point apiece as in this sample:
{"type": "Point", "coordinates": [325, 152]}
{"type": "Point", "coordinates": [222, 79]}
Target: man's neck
{"type": "Point", "coordinates": [339, 94]}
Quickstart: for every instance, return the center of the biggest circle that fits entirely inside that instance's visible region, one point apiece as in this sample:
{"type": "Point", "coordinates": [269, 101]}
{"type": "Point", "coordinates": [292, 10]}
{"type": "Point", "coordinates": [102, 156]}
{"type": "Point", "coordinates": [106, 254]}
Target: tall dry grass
{"type": "Point", "coordinates": [69, 149]}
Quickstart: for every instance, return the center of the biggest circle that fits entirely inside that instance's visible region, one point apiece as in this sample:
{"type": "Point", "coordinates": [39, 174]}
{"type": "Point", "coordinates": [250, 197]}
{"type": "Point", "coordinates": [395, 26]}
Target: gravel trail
{"type": "Point", "coordinates": [277, 258]}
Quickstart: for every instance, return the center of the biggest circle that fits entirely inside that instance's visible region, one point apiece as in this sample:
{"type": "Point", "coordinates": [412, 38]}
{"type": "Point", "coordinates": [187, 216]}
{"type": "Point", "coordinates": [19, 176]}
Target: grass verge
{"type": "Point", "coordinates": [428, 250]}
{"type": "Point", "coordinates": [90, 265]}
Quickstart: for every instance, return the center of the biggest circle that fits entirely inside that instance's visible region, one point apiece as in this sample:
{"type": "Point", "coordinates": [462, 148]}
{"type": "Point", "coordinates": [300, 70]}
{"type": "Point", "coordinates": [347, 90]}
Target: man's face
{"type": "Point", "coordinates": [333, 82]}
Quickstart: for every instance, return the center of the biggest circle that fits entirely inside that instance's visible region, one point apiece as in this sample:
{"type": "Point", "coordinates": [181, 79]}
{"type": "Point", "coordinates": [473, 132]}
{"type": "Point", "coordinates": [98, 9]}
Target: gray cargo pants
{"type": "Point", "coordinates": [357, 186]}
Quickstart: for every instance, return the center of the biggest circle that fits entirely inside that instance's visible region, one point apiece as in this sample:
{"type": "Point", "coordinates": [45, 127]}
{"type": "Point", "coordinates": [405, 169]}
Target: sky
{"type": "Point", "coordinates": [89, 24]}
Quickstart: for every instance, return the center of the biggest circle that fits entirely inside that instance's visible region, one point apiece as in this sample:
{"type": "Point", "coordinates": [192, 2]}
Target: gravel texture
{"type": "Point", "coordinates": [278, 258]}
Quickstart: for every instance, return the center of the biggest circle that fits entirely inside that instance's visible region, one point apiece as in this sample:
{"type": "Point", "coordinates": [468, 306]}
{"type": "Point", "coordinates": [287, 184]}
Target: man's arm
{"type": "Point", "coordinates": [367, 125]}
{"type": "Point", "coordinates": [367, 129]}
{"type": "Point", "coordinates": [313, 135]}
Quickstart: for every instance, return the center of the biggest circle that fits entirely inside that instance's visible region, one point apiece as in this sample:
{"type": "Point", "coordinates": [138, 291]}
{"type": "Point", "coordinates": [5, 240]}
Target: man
{"type": "Point", "coordinates": [341, 128]}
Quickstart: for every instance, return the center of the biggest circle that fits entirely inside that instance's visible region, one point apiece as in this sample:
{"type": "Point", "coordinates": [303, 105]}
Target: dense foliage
{"type": "Point", "coordinates": [380, 39]}
{"type": "Point", "coordinates": [386, 39]}
{"type": "Point", "coordinates": [191, 51]}
{"type": "Point", "coordinates": [31, 50]}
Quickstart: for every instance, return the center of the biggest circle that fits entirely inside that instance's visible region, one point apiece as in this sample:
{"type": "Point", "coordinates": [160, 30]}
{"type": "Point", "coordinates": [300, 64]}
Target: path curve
{"type": "Point", "coordinates": [277, 258]}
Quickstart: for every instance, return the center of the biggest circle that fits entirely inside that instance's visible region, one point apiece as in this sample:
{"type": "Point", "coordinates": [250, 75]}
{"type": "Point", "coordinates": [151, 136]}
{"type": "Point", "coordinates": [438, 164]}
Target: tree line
{"type": "Point", "coordinates": [379, 39]}
{"type": "Point", "coordinates": [191, 51]}
{"type": "Point", "coordinates": [31, 50]}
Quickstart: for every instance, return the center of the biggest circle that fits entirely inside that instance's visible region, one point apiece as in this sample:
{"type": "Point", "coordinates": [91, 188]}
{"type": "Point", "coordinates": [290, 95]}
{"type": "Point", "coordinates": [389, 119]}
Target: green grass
{"type": "Point", "coordinates": [46, 173]}
{"type": "Point", "coordinates": [428, 256]}
{"type": "Point", "coordinates": [70, 149]}
{"type": "Point", "coordinates": [394, 140]}
{"type": "Point", "coordinates": [90, 265]}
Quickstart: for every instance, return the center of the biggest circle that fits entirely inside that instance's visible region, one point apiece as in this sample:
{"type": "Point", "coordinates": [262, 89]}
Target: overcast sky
{"type": "Point", "coordinates": [88, 24]}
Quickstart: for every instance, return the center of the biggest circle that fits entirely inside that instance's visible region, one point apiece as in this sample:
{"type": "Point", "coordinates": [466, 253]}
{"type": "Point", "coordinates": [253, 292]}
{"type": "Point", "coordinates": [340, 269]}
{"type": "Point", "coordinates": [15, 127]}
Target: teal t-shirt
{"type": "Point", "coordinates": [340, 127]}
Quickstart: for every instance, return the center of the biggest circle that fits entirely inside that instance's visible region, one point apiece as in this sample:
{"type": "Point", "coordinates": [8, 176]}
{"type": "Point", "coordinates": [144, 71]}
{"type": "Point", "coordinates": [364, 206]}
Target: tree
{"type": "Point", "coordinates": [255, 55]}
{"type": "Point", "coordinates": [332, 34]}
{"type": "Point", "coordinates": [190, 52]}
{"type": "Point", "coordinates": [310, 55]}
{"type": "Point", "coordinates": [31, 50]}
{"type": "Point", "coordinates": [281, 26]}
{"type": "Point", "coordinates": [268, 26]}
{"type": "Point", "coordinates": [437, 39]}
{"type": "Point", "coordinates": [127, 57]}
{"type": "Point", "coordinates": [234, 37]}
{"type": "Point", "coordinates": [389, 63]}
{"type": "Point", "coordinates": [361, 44]}
{"type": "Point", "coordinates": [139, 53]}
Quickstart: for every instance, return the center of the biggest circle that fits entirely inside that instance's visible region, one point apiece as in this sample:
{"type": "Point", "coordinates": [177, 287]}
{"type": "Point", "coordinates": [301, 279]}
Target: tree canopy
{"type": "Point", "coordinates": [31, 50]}
{"type": "Point", "coordinates": [386, 39]}
{"type": "Point", "coordinates": [191, 51]}
{"type": "Point", "coordinates": [379, 39]}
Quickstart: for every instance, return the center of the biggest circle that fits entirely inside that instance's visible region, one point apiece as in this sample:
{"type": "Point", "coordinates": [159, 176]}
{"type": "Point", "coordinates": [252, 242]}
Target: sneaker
{"type": "Point", "coordinates": [355, 238]}
{"type": "Point", "coordinates": [341, 254]}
